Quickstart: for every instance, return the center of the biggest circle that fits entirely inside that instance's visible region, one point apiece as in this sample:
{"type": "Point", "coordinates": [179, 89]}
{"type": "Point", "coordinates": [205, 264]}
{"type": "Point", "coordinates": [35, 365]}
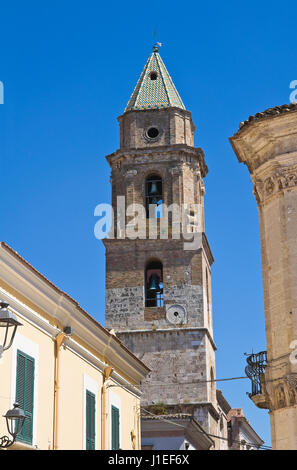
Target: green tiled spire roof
{"type": "Point", "coordinates": [155, 88]}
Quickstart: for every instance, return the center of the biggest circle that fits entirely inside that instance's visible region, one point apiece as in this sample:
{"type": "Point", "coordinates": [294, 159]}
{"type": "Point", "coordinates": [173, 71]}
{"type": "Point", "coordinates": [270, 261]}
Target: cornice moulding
{"type": "Point", "coordinates": [170, 330]}
{"type": "Point", "coordinates": [170, 150]}
{"type": "Point", "coordinates": [265, 139]}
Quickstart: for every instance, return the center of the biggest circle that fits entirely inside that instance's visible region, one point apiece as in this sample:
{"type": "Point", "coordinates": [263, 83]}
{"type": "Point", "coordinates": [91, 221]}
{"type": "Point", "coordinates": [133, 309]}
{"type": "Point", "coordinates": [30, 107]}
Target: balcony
{"type": "Point", "coordinates": [255, 371]}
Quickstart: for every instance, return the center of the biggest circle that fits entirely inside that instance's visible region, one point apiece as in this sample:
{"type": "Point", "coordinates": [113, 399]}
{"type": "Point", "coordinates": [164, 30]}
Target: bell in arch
{"type": "Point", "coordinates": [154, 283]}
{"type": "Point", "coordinates": [154, 189]}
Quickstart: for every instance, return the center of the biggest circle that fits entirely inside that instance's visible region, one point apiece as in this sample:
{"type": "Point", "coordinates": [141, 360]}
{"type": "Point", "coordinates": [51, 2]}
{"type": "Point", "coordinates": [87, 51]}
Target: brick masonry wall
{"type": "Point", "coordinates": [181, 175]}
{"type": "Point", "coordinates": [174, 125]}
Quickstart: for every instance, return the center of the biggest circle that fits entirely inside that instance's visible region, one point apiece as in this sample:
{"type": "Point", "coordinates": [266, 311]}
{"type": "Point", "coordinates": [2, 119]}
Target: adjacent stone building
{"type": "Point", "coordinates": [267, 144]}
{"type": "Point", "coordinates": [158, 287]}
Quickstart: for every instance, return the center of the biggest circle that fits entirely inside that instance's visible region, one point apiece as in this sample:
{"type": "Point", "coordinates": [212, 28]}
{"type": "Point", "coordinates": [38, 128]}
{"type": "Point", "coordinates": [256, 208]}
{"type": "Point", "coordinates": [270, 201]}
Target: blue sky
{"type": "Point", "coordinates": [68, 70]}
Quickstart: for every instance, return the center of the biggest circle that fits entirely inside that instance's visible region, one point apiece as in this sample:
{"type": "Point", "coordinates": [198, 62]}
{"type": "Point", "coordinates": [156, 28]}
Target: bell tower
{"type": "Point", "coordinates": [158, 281]}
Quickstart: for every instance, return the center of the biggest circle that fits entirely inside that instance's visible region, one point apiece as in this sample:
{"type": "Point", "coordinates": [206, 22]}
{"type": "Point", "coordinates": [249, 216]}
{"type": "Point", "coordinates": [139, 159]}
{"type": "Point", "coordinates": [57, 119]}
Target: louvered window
{"type": "Point", "coordinates": [25, 393]}
{"type": "Point", "coordinates": [115, 428]}
{"type": "Point", "coordinates": [90, 420]}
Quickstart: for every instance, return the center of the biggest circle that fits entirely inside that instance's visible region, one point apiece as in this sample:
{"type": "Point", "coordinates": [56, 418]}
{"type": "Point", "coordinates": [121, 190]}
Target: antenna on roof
{"type": "Point", "coordinates": [157, 44]}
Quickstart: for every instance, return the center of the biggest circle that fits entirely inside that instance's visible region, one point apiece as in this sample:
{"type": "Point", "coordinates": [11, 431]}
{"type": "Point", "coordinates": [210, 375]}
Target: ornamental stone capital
{"type": "Point", "coordinates": [274, 182]}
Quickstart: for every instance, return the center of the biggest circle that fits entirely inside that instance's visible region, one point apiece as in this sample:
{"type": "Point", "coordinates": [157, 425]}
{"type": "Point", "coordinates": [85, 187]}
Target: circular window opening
{"type": "Point", "coordinates": [152, 132]}
{"type": "Point", "coordinates": [153, 75]}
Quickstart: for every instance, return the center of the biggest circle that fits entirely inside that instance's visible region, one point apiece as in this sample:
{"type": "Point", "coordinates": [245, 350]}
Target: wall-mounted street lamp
{"type": "Point", "coordinates": [8, 327]}
{"type": "Point", "coordinates": [14, 420]}
{"type": "Point", "coordinates": [16, 416]}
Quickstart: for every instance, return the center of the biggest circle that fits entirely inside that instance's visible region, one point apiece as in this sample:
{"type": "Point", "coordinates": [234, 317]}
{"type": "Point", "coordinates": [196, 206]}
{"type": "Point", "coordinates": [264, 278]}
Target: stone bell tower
{"type": "Point", "coordinates": [267, 144]}
{"type": "Point", "coordinates": [158, 288]}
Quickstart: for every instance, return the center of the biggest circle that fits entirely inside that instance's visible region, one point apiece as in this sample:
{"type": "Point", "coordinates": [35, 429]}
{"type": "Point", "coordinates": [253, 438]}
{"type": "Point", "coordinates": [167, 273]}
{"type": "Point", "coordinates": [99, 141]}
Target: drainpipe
{"type": "Point", "coordinates": [59, 339]}
{"type": "Point", "coordinates": [106, 375]}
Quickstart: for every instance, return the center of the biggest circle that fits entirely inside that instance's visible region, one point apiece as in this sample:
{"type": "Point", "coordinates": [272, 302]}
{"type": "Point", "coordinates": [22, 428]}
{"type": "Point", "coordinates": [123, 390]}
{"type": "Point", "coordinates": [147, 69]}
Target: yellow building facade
{"type": "Point", "coordinates": [78, 384]}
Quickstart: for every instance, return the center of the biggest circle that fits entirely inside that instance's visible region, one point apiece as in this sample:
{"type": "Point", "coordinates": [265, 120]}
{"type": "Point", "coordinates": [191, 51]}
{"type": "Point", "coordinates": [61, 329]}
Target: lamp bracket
{"type": "Point", "coordinates": [6, 442]}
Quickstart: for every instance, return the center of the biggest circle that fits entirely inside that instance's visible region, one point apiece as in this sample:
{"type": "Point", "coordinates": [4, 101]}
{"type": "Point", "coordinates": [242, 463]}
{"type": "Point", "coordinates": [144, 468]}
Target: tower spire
{"type": "Point", "coordinates": [155, 88]}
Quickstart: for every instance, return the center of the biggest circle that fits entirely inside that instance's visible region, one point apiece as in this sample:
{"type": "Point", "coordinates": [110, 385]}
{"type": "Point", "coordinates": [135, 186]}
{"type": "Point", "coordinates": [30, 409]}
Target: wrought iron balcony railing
{"type": "Point", "coordinates": [255, 371]}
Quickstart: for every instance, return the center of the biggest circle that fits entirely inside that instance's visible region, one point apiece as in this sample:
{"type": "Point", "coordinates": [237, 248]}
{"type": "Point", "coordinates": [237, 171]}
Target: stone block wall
{"type": "Point", "coordinates": [177, 359]}
{"type": "Point", "coordinates": [125, 293]}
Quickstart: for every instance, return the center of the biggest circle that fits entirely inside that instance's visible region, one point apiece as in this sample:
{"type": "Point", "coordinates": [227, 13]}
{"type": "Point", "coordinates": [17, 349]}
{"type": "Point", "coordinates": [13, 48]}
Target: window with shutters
{"type": "Point", "coordinates": [90, 420]}
{"type": "Point", "coordinates": [115, 428]}
{"type": "Point", "coordinates": [25, 393]}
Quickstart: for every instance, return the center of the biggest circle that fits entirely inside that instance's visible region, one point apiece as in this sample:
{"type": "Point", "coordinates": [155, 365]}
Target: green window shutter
{"type": "Point", "coordinates": [25, 393]}
{"type": "Point", "coordinates": [90, 420]}
{"type": "Point", "coordinates": [115, 428]}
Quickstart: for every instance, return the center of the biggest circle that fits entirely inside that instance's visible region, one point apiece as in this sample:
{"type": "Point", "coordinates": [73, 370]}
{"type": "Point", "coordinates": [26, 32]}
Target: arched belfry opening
{"type": "Point", "coordinates": [153, 195]}
{"type": "Point", "coordinates": [154, 284]}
